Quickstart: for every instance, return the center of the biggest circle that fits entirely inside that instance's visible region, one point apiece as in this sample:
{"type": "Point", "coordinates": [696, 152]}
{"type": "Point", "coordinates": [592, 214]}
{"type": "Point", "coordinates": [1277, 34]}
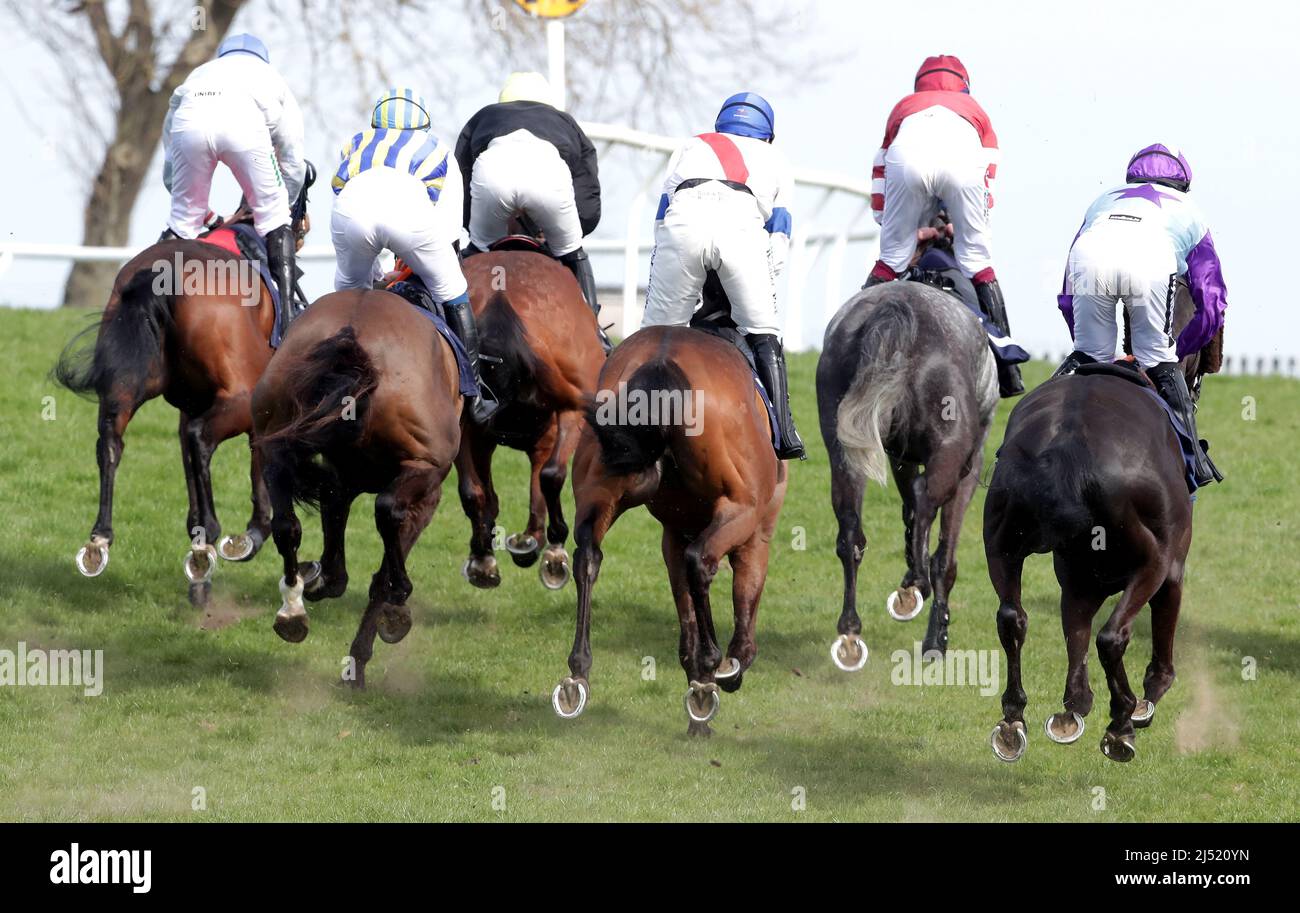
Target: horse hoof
{"type": "Point", "coordinates": [92, 558]}
{"type": "Point", "coordinates": [849, 653]}
{"type": "Point", "coordinates": [1009, 740]}
{"type": "Point", "coordinates": [555, 571]}
{"type": "Point", "coordinates": [702, 702]}
{"type": "Point", "coordinates": [1143, 713]}
{"type": "Point", "coordinates": [1118, 748]}
{"type": "Point", "coordinates": [291, 619]}
{"type": "Point", "coordinates": [1064, 728]}
{"type": "Point", "coordinates": [569, 697]}
{"type": "Point", "coordinates": [524, 549]}
{"type": "Point", "coordinates": [239, 547]}
{"type": "Point", "coordinates": [394, 623]}
{"type": "Point", "coordinates": [912, 595]}
{"type": "Point", "coordinates": [200, 563]}
{"type": "Point", "coordinates": [729, 675]}
{"type": "Point", "coordinates": [482, 572]}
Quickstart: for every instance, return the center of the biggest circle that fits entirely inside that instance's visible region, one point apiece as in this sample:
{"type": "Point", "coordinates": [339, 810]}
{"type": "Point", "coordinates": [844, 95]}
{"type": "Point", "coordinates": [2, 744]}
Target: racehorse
{"type": "Point", "coordinates": [1092, 471]}
{"type": "Point", "coordinates": [201, 346]}
{"type": "Point", "coordinates": [363, 396]}
{"type": "Point", "coordinates": [905, 378]}
{"type": "Point", "coordinates": [679, 426]}
{"type": "Point", "coordinates": [540, 339]}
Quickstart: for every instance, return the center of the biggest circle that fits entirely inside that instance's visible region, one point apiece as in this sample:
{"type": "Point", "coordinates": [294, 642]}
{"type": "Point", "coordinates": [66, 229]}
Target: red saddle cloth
{"type": "Point", "coordinates": [223, 237]}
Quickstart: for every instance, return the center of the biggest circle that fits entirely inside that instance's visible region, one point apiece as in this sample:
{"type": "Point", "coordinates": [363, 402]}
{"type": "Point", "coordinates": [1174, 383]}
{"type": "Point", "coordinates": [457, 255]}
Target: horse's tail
{"type": "Point", "coordinates": [629, 448]}
{"type": "Point", "coordinates": [1065, 491]}
{"type": "Point", "coordinates": [328, 392]}
{"type": "Point", "coordinates": [503, 335]}
{"type": "Point", "coordinates": [876, 399]}
{"type": "Point", "coordinates": [121, 351]}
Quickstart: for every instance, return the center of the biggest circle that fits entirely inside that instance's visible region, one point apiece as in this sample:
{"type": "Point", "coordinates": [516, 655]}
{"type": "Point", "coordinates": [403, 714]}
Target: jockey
{"type": "Point", "coordinates": [524, 155]}
{"type": "Point", "coordinates": [725, 208]}
{"type": "Point", "coordinates": [238, 110]}
{"type": "Point", "coordinates": [397, 187]}
{"type": "Point", "coordinates": [1135, 242]}
{"type": "Point", "coordinates": [940, 152]}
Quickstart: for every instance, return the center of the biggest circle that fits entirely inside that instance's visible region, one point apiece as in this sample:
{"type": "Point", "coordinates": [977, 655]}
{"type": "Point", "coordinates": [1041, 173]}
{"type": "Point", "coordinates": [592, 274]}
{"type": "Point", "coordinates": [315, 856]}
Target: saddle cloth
{"type": "Point", "coordinates": [940, 263]}
{"type": "Point", "coordinates": [415, 292]}
{"type": "Point", "coordinates": [242, 240]}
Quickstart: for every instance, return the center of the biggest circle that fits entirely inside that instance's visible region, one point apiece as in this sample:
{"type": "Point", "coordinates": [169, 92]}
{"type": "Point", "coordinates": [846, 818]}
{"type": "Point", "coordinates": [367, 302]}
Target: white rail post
{"type": "Point", "coordinates": [632, 265]}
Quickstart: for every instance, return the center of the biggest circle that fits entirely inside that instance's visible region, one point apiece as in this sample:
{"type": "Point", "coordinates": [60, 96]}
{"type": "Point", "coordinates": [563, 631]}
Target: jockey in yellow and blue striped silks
{"type": "Point", "coordinates": [398, 138]}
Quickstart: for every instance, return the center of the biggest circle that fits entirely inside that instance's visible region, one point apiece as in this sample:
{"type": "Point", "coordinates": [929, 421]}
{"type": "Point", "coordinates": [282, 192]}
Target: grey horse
{"type": "Point", "coordinates": [906, 379]}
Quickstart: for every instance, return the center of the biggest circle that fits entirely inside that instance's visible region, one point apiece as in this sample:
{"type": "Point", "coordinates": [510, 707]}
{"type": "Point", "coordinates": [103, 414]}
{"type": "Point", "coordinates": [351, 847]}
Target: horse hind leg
{"type": "Point", "coordinates": [943, 564]}
{"type": "Point", "coordinates": [291, 621]}
{"type": "Point", "coordinates": [749, 575]}
{"type": "Point", "coordinates": [114, 415]}
{"type": "Point", "coordinates": [908, 600]}
{"type": "Point", "coordinates": [331, 578]}
{"type": "Point", "coordinates": [1160, 673]}
{"type": "Point", "coordinates": [848, 651]}
{"type": "Point", "coordinates": [245, 546]}
{"type": "Point", "coordinates": [555, 571]}
{"type": "Point", "coordinates": [202, 434]}
{"type": "Point", "coordinates": [1077, 611]}
{"type": "Point", "coordinates": [479, 501]}
{"type": "Point", "coordinates": [1009, 739]}
{"type": "Point", "coordinates": [1118, 742]}
{"type": "Point", "coordinates": [525, 548]}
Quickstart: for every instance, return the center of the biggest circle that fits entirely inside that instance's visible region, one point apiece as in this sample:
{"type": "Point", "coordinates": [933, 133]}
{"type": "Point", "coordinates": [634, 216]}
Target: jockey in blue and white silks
{"type": "Point", "coordinates": [725, 208]}
{"type": "Point", "coordinates": [238, 110]}
{"type": "Point", "coordinates": [397, 187]}
{"type": "Point", "coordinates": [1135, 243]}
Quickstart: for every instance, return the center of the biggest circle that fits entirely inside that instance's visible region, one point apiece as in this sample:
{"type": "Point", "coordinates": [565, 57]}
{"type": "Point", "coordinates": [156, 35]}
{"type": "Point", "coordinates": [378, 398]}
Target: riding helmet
{"type": "Point", "coordinates": [747, 114]}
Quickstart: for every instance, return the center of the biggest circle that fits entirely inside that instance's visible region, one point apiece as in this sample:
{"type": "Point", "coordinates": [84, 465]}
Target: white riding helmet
{"type": "Point", "coordinates": [527, 86]}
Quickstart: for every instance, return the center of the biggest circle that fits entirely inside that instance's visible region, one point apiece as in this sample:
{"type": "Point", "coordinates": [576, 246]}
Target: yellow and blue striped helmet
{"type": "Point", "coordinates": [400, 109]}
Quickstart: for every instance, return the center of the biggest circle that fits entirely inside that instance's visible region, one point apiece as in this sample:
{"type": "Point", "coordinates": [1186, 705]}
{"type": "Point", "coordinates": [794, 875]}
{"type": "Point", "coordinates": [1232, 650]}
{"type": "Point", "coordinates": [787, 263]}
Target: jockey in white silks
{"type": "Point", "coordinates": [238, 110]}
{"type": "Point", "coordinates": [397, 188]}
{"type": "Point", "coordinates": [1135, 243]}
{"type": "Point", "coordinates": [524, 155]}
{"type": "Point", "coordinates": [725, 208]}
{"type": "Point", "coordinates": [940, 152]}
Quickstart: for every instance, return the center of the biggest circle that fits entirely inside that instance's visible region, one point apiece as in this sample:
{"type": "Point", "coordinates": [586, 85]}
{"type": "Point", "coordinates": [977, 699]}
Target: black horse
{"type": "Point", "coordinates": [905, 378]}
{"type": "Point", "coordinates": [1092, 471]}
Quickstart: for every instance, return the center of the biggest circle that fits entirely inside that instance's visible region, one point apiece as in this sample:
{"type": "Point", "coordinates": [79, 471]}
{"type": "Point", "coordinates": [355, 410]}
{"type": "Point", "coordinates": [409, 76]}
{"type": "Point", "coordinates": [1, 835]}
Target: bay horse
{"type": "Point", "coordinates": [1091, 471]}
{"type": "Point", "coordinates": [678, 425]}
{"type": "Point", "coordinates": [544, 356]}
{"type": "Point", "coordinates": [905, 379]}
{"type": "Point", "coordinates": [363, 396]}
{"type": "Point", "coordinates": [201, 347]}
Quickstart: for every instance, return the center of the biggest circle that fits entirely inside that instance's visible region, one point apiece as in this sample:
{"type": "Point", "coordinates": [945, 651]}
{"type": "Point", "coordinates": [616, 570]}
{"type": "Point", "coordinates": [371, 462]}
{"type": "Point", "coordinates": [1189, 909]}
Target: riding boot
{"type": "Point", "coordinates": [470, 249]}
{"type": "Point", "coordinates": [1172, 387]}
{"type": "Point", "coordinates": [168, 235]}
{"type": "Point", "coordinates": [995, 308]}
{"type": "Point", "coordinates": [580, 265]}
{"type": "Point", "coordinates": [770, 361]}
{"type": "Point", "coordinates": [280, 249]}
{"type": "Point", "coordinates": [1073, 362]}
{"type": "Point", "coordinates": [460, 317]}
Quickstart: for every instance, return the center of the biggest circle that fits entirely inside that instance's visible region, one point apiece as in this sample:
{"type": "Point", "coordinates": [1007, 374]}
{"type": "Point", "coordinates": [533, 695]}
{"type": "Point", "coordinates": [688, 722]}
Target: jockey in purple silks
{"type": "Point", "coordinates": [1135, 243]}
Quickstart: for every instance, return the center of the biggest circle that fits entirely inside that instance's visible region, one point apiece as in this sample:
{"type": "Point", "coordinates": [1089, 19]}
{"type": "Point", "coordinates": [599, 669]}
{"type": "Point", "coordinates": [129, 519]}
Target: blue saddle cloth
{"type": "Point", "coordinates": [937, 260]}
{"type": "Point", "coordinates": [415, 293]}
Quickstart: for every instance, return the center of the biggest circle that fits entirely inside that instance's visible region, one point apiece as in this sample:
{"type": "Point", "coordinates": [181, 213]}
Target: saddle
{"type": "Point", "coordinates": [1126, 369]}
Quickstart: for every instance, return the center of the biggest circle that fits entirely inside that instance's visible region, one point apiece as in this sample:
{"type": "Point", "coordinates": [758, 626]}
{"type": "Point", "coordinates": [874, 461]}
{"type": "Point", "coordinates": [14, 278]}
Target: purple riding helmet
{"type": "Point", "coordinates": [1157, 165]}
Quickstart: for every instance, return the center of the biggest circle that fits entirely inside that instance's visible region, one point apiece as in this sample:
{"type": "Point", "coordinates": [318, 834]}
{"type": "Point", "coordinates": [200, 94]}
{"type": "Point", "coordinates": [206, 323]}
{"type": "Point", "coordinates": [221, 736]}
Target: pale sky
{"type": "Point", "coordinates": [1072, 90]}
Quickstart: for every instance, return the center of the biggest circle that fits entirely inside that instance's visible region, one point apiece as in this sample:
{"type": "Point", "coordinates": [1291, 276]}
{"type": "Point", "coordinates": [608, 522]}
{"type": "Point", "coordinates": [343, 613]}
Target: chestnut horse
{"type": "Point", "coordinates": [202, 351]}
{"type": "Point", "coordinates": [1091, 471]}
{"type": "Point", "coordinates": [679, 426]}
{"type": "Point", "coordinates": [544, 357]}
{"type": "Point", "coordinates": [363, 396]}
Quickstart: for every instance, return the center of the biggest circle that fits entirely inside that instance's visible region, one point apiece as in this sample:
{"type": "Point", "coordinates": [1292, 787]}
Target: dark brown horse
{"type": "Point", "coordinates": [905, 379]}
{"type": "Point", "coordinates": [190, 322]}
{"type": "Point", "coordinates": [363, 396]}
{"type": "Point", "coordinates": [679, 426]}
{"type": "Point", "coordinates": [534, 323]}
{"type": "Point", "coordinates": [1091, 471]}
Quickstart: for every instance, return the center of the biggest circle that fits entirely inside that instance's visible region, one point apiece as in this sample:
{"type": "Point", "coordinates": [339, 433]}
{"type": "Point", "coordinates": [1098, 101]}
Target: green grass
{"type": "Point", "coordinates": [459, 715]}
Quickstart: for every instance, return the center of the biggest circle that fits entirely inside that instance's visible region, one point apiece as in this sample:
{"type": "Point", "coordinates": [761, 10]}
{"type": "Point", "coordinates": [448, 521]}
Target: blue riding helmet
{"type": "Point", "coordinates": [401, 109]}
{"type": "Point", "coordinates": [244, 43]}
{"type": "Point", "coordinates": [747, 114]}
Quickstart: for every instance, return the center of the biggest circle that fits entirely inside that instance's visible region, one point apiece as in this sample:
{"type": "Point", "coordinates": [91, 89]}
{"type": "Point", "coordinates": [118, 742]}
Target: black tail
{"type": "Point", "coordinates": [630, 448]}
{"type": "Point", "coordinates": [329, 391]}
{"type": "Point", "coordinates": [118, 353]}
{"type": "Point", "coordinates": [1063, 495]}
{"type": "Point", "coordinates": [502, 335]}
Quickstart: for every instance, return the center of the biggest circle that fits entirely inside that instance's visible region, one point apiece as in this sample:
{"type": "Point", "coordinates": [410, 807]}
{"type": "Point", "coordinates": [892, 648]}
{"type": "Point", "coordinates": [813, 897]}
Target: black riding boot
{"type": "Point", "coordinates": [280, 260]}
{"type": "Point", "coordinates": [580, 265]}
{"type": "Point", "coordinates": [995, 308]}
{"type": "Point", "coordinates": [770, 360]}
{"type": "Point", "coordinates": [1073, 362]}
{"type": "Point", "coordinates": [460, 317]}
{"type": "Point", "coordinates": [1172, 387]}
{"type": "Point", "coordinates": [168, 235]}
{"type": "Point", "coordinates": [470, 250]}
